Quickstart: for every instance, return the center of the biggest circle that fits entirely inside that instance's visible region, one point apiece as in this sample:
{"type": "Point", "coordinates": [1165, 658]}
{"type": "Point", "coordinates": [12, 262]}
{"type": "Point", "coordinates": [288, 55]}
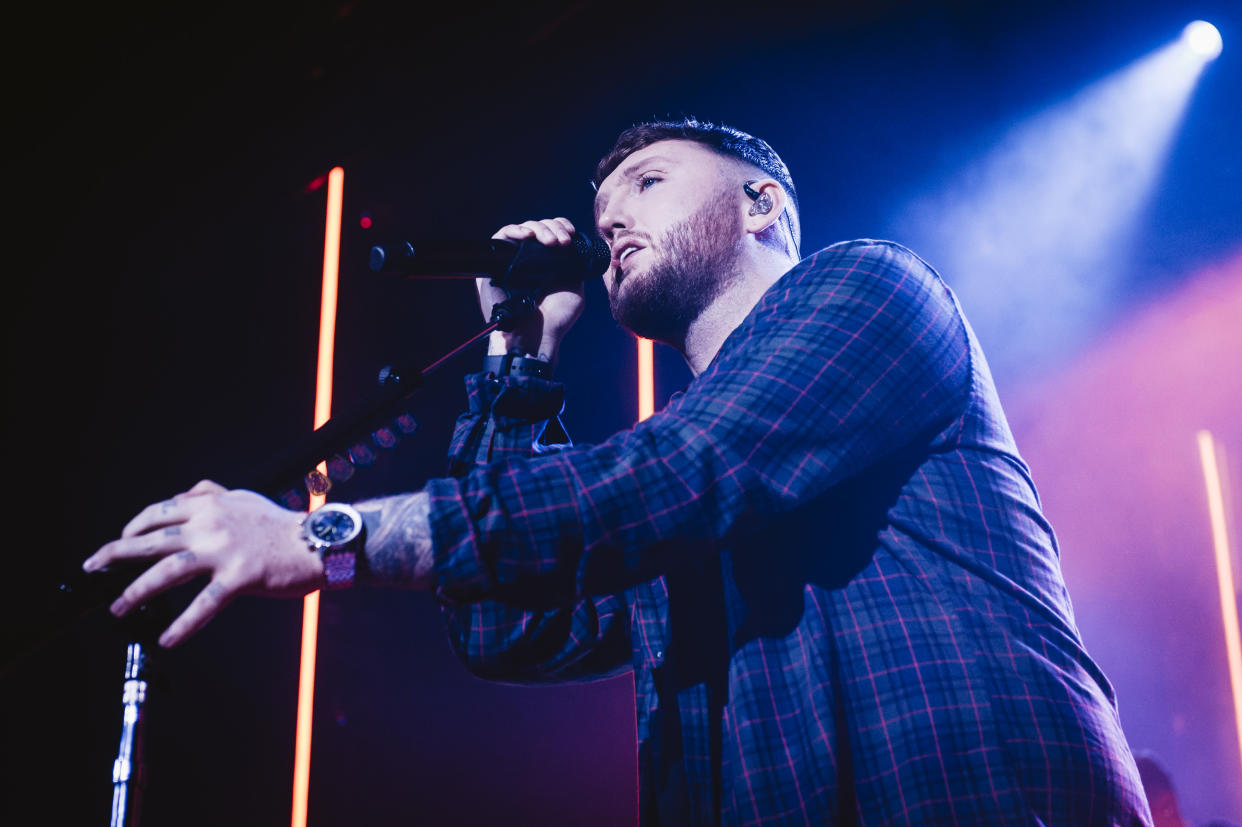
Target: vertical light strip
{"type": "Point", "coordinates": [323, 412]}
{"type": "Point", "coordinates": [646, 379]}
{"type": "Point", "coordinates": [1224, 573]}
{"type": "Point", "coordinates": [646, 407]}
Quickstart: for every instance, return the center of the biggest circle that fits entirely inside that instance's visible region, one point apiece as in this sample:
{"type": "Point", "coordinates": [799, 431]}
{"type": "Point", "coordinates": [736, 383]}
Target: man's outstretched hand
{"type": "Point", "coordinates": [247, 544]}
{"type": "Point", "coordinates": [243, 541]}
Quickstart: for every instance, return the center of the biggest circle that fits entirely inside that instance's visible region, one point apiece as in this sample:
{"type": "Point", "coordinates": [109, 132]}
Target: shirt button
{"type": "Point", "coordinates": [660, 654]}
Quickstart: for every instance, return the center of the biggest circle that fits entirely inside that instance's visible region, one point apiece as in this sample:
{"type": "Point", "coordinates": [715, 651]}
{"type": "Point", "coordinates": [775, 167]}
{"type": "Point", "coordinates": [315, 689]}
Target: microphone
{"type": "Point", "coordinates": [522, 265]}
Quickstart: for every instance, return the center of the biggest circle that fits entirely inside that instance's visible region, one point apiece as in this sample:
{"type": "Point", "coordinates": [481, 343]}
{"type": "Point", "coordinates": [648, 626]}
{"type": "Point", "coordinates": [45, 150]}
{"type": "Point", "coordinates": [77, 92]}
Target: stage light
{"type": "Point", "coordinates": [646, 378]}
{"type": "Point", "coordinates": [1036, 232]}
{"type": "Point", "coordinates": [1202, 38]}
{"type": "Point", "coordinates": [323, 412]}
{"type": "Point", "coordinates": [1212, 477]}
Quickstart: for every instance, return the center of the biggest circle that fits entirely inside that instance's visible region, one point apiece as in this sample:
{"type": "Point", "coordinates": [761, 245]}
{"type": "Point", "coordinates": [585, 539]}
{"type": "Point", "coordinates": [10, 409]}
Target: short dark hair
{"type": "Point", "coordinates": [725, 140]}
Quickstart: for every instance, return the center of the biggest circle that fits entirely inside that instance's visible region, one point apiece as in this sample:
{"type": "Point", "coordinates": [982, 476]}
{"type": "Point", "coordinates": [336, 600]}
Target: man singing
{"type": "Point", "coordinates": [824, 561]}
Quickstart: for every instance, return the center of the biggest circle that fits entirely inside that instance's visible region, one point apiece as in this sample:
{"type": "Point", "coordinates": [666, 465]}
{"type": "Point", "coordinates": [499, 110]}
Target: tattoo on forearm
{"type": "Point", "coordinates": [398, 544]}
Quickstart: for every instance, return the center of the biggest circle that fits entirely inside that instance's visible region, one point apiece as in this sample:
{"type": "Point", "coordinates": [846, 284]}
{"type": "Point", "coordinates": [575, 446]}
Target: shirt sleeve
{"type": "Point", "coordinates": [586, 639]}
{"type": "Point", "coordinates": [857, 352]}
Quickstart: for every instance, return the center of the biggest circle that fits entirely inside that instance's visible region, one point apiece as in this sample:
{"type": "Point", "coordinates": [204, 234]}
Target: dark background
{"type": "Point", "coordinates": [163, 310]}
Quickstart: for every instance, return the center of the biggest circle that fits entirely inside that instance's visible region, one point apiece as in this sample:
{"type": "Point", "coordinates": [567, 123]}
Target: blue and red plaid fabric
{"type": "Point", "coordinates": [825, 562]}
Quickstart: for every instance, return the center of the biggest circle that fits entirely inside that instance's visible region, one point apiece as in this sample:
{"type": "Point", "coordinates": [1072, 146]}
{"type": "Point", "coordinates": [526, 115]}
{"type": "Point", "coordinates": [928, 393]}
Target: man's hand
{"type": "Point", "coordinates": [244, 542]}
{"type": "Point", "coordinates": [540, 335]}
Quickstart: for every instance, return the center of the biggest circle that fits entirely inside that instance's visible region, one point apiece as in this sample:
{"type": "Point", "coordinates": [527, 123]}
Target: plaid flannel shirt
{"type": "Point", "coordinates": [825, 562]}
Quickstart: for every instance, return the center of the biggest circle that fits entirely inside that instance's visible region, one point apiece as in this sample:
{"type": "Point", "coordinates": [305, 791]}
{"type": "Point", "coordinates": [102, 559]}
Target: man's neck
{"type": "Point", "coordinates": [708, 332]}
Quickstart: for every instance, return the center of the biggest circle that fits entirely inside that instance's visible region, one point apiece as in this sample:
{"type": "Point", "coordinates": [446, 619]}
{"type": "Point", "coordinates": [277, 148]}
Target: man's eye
{"type": "Point", "coordinates": [646, 181]}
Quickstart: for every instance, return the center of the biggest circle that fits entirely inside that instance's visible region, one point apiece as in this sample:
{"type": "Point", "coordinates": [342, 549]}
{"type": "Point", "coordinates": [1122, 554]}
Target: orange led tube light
{"type": "Point", "coordinates": [646, 379]}
{"type": "Point", "coordinates": [1224, 572]}
{"type": "Point", "coordinates": [323, 412]}
{"type": "Point", "coordinates": [646, 407]}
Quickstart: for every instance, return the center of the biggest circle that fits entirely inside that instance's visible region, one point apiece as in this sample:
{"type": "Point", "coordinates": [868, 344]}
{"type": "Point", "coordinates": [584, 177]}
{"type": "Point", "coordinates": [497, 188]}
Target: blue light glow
{"type": "Point", "coordinates": [1035, 235]}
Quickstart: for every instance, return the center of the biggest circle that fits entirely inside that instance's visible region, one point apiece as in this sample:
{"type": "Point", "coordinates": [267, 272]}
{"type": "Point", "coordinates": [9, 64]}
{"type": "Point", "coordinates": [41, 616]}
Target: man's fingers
{"type": "Point", "coordinates": [549, 231]}
{"type": "Point", "coordinates": [206, 487]}
{"type": "Point", "coordinates": [514, 232]}
{"type": "Point", "coordinates": [170, 511]}
{"type": "Point", "coordinates": [151, 544]}
{"type": "Point", "coordinates": [157, 515]}
{"type": "Point", "coordinates": [205, 605]}
{"type": "Point", "coordinates": [542, 232]}
{"type": "Point", "coordinates": [171, 571]}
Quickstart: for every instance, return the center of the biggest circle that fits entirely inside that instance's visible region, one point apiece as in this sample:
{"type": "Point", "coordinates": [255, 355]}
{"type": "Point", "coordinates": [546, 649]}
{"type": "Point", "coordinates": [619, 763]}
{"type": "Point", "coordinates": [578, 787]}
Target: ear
{"type": "Point", "coordinates": [764, 211]}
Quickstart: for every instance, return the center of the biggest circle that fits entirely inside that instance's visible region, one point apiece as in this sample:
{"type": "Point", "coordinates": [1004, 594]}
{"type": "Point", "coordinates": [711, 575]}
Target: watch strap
{"type": "Point", "coordinates": [340, 566]}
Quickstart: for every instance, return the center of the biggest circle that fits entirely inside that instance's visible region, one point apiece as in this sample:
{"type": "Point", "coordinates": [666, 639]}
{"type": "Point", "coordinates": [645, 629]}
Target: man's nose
{"type": "Point", "coordinates": [613, 219]}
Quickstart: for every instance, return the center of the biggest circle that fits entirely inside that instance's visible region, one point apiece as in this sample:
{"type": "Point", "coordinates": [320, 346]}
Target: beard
{"type": "Point", "coordinates": [697, 262]}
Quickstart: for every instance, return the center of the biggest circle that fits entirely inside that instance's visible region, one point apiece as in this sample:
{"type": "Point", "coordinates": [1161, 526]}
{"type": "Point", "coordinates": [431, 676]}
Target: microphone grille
{"type": "Point", "coordinates": [594, 253]}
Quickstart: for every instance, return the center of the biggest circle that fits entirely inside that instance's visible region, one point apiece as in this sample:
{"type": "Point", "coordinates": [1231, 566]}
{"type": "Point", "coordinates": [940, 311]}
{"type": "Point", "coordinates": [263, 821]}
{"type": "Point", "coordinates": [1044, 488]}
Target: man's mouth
{"type": "Point", "coordinates": [624, 252]}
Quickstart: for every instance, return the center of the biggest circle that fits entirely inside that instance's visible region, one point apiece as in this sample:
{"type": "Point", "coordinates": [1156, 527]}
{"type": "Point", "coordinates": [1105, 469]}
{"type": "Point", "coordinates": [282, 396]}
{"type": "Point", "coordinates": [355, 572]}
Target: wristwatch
{"type": "Point", "coordinates": [335, 532]}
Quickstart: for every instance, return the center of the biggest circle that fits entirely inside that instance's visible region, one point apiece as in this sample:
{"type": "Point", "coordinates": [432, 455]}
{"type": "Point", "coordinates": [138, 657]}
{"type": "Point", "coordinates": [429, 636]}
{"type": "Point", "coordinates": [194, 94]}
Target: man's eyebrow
{"type": "Point", "coordinates": [648, 161]}
{"type": "Point", "coordinates": [634, 167]}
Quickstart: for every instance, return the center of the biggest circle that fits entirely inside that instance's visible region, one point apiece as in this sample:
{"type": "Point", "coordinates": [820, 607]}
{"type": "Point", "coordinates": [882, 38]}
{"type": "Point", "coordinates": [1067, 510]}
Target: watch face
{"type": "Point", "coordinates": [333, 524]}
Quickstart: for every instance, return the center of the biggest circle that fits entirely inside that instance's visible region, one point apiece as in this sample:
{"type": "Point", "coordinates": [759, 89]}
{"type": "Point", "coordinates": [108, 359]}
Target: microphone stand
{"type": "Point", "coordinates": [128, 778]}
{"type": "Point", "coordinates": [333, 440]}
{"type": "Point", "coordinates": [90, 592]}
{"type": "Point", "coordinates": [127, 768]}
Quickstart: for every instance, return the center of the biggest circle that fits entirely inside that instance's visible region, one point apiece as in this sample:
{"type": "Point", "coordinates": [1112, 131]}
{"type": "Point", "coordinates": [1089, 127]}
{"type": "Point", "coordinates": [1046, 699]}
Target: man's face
{"type": "Point", "coordinates": [671, 214]}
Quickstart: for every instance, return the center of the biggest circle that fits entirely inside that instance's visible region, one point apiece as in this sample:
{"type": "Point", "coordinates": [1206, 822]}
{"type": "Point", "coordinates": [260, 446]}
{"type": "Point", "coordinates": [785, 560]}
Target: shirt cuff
{"type": "Point", "coordinates": [515, 398]}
